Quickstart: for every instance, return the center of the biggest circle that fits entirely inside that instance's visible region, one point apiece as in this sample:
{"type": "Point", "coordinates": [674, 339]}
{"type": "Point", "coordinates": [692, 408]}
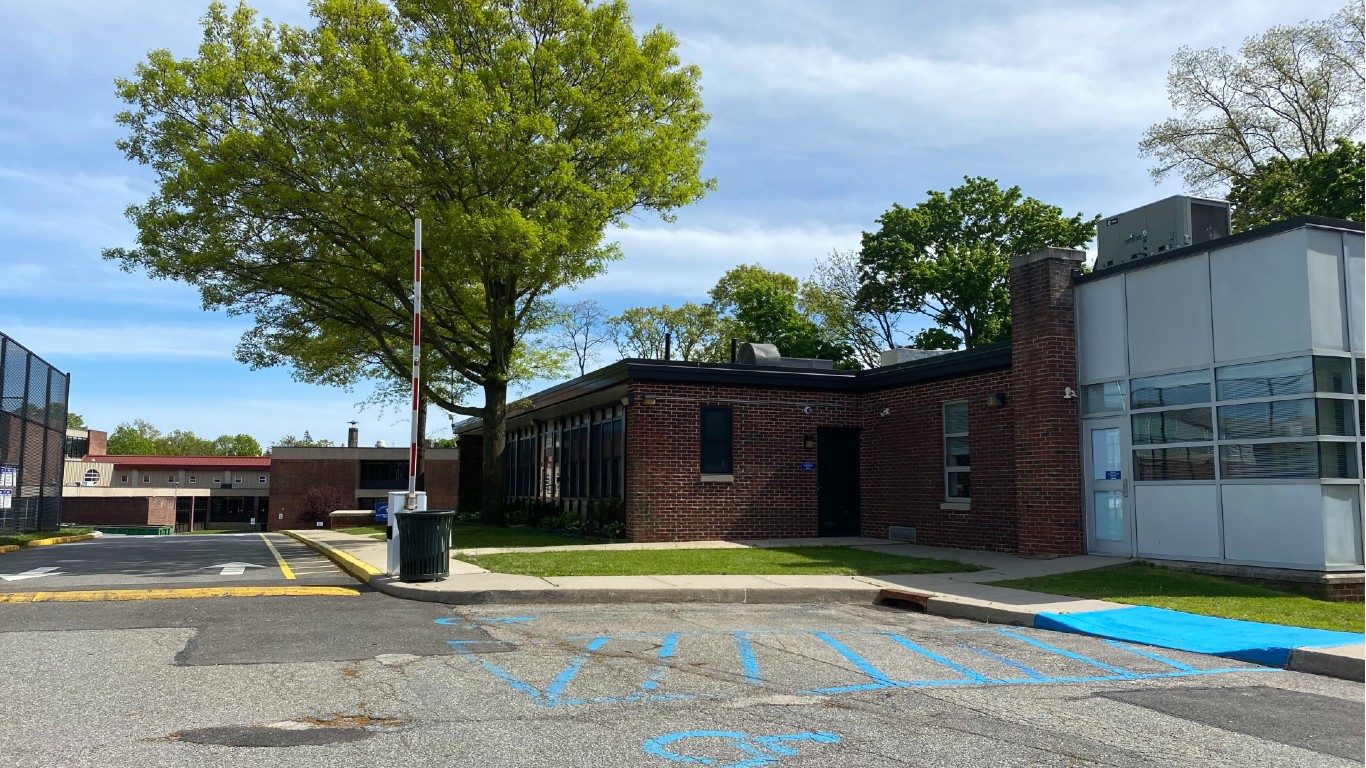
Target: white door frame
{"type": "Point", "coordinates": [1101, 479]}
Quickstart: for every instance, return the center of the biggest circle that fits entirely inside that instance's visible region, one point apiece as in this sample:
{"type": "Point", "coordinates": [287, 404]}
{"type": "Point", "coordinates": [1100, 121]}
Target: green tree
{"type": "Point", "coordinates": [1288, 94]}
{"type": "Point", "coordinates": [831, 297]}
{"type": "Point", "coordinates": [760, 305]}
{"type": "Point", "coordinates": [75, 421]}
{"type": "Point", "coordinates": [948, 258]}
{"type": "Point", "coordinates": [935, 338]}
{"type": "Point", "coordinates": [291, 163]}
{"type": "Point", "coordinates": [138, 438]}
{"type": "Point", "coordinates": [307, 441]}
{"type": "Point", "coordinates": [236, 445]}
{"type": "Point", "coordinates": [1323, 184]}
{"type": "Point", "coordinates": [181, 442]}
{"type": "Point", "coordinates": [694, 331]}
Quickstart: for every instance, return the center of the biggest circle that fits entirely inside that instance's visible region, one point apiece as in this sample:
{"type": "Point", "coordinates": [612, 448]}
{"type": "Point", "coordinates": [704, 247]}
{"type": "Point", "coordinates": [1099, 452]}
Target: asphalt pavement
{"type": "Point", "coordinates": [373, 682]}
{"type": "Point", "coordinates": [168, 562]}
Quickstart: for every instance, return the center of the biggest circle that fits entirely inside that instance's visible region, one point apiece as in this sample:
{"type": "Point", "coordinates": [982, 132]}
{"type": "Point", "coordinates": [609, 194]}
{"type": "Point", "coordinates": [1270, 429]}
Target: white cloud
{"type": "Point", "coordinates": [124, 340]}
{"type": "Point", "coordinates": [685, 262]}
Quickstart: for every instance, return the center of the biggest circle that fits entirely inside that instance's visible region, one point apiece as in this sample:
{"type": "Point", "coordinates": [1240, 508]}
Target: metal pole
{"type": "Point", "coordinates": [410, 501]}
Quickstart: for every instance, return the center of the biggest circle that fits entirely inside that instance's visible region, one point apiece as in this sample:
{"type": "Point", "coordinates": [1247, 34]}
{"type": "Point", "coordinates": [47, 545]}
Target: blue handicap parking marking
{"type": "Point", "coordinates": [482, 621]}
{"type": "Point", "coordinates": [864, 660]}
{"type": "Point", "coordinates": [757, 751]}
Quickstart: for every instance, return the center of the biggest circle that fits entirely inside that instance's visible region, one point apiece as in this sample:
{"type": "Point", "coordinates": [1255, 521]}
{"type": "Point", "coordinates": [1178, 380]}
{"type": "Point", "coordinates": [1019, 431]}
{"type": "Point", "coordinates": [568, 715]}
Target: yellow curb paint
{"type": "Point", "coordinates": [359, 570]}
{"type": "Point", "coordinates": [284, 567]}
{"type": "Point", "coordinates": [59, 540]}
{"type": "Point", "coordinates": [10, 548]}
{"type": "Point", "coordinates": [124, 595]}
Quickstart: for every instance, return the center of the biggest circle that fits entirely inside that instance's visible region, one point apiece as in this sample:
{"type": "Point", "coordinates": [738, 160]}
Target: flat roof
{"type": "Point", "coordinates": [618, 374]}
{"type": "Point", "coordinates": [182, 462]}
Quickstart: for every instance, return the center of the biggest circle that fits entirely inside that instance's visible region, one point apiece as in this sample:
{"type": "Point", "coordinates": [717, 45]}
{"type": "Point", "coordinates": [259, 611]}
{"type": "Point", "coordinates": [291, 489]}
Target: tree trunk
{"type": "Point", "coordinates": [494, 511]}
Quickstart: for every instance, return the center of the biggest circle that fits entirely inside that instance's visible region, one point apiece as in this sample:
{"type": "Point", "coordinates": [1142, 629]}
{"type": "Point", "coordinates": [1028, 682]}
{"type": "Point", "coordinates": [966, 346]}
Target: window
{"type": "Point", "coordinates": [957, 466]}
{"type": "Point", "coordinates": [123, 479]}
{"type": "Point", "coordinates": [1333, 374]}
{"type": "Point", "coordinates": [1172, 389]}
{"type": "Point", "coordinates": [92, 476]}
{"type": "Point", "coordinates": [1192, 463]}
{"type": "Point", "coordinates": [171, 479]}
{"type": "Point", "coordinates": [1102, 398]}
{"type": "Point", "coordinates": [1273, 378]}
{"type": "Point", "coordinates": [146, 478]}
{"type": "Point", "coordinates": [192, 479]}
{"type": "Point", "coordinates": [1190, 425]}
{"type": "Point", "coordinates": [261, 479]}
{"type": "Point", "coordinates": [217, 480]}
{"type": "Point", "coordinates": [1269, 460]}
{"type": "Point", "coordinates": [1278, 418]}
{"type": "Point", "coordinates": [382, 475]}
{"type": "Point", "coordinates": [77, 447]}
{"type": "Point", "coordinates": [237, 480]}
{"type": "Point", "coordinates": [716, 441]}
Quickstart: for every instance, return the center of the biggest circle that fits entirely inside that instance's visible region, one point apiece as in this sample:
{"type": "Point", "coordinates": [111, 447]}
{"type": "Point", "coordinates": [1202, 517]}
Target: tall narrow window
{"type": "Point", "coordinates": [957, 466]}
{"type": "Point", "coordinates": [716, 441]}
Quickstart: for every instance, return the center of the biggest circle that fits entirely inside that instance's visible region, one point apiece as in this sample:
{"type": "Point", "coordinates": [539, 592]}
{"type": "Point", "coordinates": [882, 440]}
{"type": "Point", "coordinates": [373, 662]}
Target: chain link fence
{"type": "Point", "coordinates": [33, 402]}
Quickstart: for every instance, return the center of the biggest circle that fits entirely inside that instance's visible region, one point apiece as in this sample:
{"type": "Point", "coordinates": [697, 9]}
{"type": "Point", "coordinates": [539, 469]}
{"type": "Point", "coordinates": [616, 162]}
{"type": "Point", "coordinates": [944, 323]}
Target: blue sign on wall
{"type": "Point", "coordinates": [808, 466]}
{"type": "Point", "coordinates": [381, 511]}
{"type": "Point", "coordinates": [1112, 474]}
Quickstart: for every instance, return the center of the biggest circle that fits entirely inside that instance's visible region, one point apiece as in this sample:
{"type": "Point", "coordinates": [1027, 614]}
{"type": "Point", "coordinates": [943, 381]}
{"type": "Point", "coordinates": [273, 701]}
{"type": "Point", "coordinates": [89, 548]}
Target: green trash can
{"type": "Point", "coordinates": [424, 544]}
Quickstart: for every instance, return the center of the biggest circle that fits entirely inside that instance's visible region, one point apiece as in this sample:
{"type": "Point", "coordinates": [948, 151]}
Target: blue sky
{"type": "Point", "coordinates": [823, 114]}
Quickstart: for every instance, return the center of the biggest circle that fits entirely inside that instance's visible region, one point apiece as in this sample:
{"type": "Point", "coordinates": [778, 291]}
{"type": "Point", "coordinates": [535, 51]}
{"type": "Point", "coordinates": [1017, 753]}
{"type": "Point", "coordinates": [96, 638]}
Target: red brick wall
{"type": "Point", "coordinates": [99, 443]}
{"type": "Point", "coordinates": [118, 510]}
{"type": "Point", "coordinates": [770, 496]}
{"type": "Point", "coordinates": [442, 483]}
{"type": "Point", "coordinates": [290, 480]}
{"type": "Point", "coordinates": [903, 463]}
{"type": "Point", "coordinates": [1048, 473]}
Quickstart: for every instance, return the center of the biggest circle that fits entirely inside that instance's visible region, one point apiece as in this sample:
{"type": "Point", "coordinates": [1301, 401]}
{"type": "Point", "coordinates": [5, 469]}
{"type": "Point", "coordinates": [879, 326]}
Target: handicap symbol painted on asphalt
{"type": "Point", "coordinates": [758, 750]}
{"type": "Point", "coordinates": [483, 621]}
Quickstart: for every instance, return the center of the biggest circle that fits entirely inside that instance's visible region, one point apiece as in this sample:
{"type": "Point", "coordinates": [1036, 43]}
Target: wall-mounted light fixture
{"type": "Point", "coordinates": [885, 412]}
{"type": "Point", "coordinates": [628, 398]}
{"type": "Point", "coordinates": [808, 441]}
{"type": "Point", "coordinates": [650, 398]}
{"type": "Point", "coordinates": [996, 399]}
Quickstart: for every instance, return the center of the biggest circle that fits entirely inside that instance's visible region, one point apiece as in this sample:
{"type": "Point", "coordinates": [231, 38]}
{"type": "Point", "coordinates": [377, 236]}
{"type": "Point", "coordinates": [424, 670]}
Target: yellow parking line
{"type": "Point", "coordinates": [284, 568]}
{"type": "Point", "coordinates": [122, 595]}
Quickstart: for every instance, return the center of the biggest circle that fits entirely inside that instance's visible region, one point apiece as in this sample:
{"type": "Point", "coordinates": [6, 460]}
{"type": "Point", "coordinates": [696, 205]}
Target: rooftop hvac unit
{"type": "Point", "coordinates": [1160, 227]}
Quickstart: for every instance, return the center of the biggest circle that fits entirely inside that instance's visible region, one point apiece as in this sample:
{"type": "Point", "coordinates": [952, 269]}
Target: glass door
{"type": "Point", "coordinates": [1109, 508]}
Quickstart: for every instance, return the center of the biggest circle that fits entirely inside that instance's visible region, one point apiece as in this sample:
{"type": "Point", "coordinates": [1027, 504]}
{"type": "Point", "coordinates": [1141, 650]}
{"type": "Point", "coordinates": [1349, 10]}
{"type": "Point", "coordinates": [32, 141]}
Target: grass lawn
{"type": "Point", "coordinates": [479, 536]}
{"type": "Point", "coordinates": [21, 539]}
{"type": "Point", "coordinates": [666, 562]}
{"type": "Point", "coordinates": [1141, 584]}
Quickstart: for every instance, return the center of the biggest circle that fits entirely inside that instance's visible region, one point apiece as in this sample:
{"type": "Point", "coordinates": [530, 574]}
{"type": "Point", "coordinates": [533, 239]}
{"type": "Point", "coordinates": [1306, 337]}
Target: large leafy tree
{"type": "Point", "coordinates": [831, 297]}
{"type": "Point", "coordinates": [694, 332]}
{"type": "Point", "coordinates": [1323, 184]}
{"type": "Point", "coordinates": [291, 163]}
{"type": "Point", "coordinates": [761, 305]}
{"type": "Point", "coordinates": [948, 258]}
{"type": "Point", "coordinates": [1288, 93]}
{"type": "Point", "coordinates": [135, 438]}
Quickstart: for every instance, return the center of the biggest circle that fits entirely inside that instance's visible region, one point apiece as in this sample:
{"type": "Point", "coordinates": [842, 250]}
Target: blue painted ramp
{"type": "Point", "coordinates": [1268, 644]}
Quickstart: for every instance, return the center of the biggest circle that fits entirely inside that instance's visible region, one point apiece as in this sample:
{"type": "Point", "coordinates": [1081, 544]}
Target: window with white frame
{"type": "Point", "coordinates": [171, 479]}
{"type": "Point", "coordinates": [261, 479]}
{"type": "Point", "coordinates": [146, 478]}
{"type": "Point", "coordinates": [193, 479]}
{"type": "Point", "coordinates": [237, 480]}
{"type": "Point", "coordinates": [217, 480]}
{"type": "Point", "coordinates": [92, 476]}
{"type": "Point", "coordinates": [123, 479]}
{"type": "Point", "coordinates": [957, 466]}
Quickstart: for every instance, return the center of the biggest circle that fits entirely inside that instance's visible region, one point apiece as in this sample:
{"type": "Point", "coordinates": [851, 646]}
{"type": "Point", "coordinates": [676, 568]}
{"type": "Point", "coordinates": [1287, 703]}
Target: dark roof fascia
{"type": "Point", "coordinates": [948, 365]}
{"type": "Point", "coordinates": [608, 383]}
{"type": "Point", "coordinates": [1280, 227]}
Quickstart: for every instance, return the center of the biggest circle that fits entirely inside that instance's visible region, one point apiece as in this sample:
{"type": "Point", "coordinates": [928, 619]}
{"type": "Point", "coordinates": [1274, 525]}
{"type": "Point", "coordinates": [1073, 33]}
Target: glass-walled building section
{"type": "Point", "coordinates": [571, 459]}
{"type": "Point", "coordinates": [1233, 379]}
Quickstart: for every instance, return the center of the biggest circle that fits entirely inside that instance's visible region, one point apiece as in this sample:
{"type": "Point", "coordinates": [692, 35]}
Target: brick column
{"type": "Point", "coordinates": [1048, 467]}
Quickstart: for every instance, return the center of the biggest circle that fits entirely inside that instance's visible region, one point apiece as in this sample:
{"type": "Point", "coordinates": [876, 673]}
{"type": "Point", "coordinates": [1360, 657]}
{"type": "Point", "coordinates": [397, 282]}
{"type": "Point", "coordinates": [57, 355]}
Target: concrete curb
{"type": "Point", "coordinates": [1343, 662]}
{"type": "Point", "coordinates": [60, 540]}
{"type": "Point", "coordinates": [6, 549]}
{"type": "Point", "coordinates": [358, 570]}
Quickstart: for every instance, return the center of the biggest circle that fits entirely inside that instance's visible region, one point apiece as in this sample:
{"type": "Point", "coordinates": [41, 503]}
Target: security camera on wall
{"type": "Point", "coordinates": [1069, 394]}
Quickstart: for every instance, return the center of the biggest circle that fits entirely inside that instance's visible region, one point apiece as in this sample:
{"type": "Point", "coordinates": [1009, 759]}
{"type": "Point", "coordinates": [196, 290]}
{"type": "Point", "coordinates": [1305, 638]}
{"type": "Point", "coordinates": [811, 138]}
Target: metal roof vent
{"type": "Point", "coordinates": [759, 354]}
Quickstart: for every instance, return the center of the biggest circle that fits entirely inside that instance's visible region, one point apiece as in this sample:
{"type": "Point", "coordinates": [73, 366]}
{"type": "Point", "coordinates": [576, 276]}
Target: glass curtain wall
{"type": "Point", "coordinates": [571, 458]}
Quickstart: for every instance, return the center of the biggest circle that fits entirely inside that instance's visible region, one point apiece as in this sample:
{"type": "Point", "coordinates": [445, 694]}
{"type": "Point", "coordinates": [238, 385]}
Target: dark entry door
{"type": "Point", "coordinates": [837, 479]}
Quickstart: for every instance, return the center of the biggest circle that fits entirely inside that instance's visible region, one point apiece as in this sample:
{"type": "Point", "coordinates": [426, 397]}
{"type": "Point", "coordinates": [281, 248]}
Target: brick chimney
{"type": "Point", "coordinates": [1048, 468]}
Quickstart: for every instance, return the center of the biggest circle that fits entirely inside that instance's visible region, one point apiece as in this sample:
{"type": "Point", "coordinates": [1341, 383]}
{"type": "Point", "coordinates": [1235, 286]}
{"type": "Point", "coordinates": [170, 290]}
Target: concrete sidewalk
{"type": "Point", "coordinates": [955, 595]}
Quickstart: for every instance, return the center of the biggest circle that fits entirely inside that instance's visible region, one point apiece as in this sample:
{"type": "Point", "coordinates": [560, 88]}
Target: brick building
{"type": "Point", "coordinates": [924, 450]}
{"type": "Point", "coordinates": [359, 477]}
{"type": "Point", "coordinates": [185, 492]}
{"type": "Point", "coordinates": [1198, 398]}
